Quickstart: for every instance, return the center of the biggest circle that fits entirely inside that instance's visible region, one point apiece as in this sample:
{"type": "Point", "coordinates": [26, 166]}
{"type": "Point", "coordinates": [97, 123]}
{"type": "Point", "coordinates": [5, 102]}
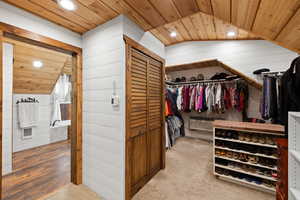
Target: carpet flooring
{"type": "Point", "coordinates": [189, 176]}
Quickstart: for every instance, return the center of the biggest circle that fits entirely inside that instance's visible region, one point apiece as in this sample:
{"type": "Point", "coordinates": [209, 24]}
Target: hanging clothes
{"type": "Point", "coordinates": [212, 97]}
{"type": "Point", "coordinates": [290, 95]}
{"type": "Point", "coordinates": [186, 99]}
{"type": "Point", "coordinates": [269, 104]}
{"type": "Point", "coordinates": [174, 119]}
{"type": "Point", "coordinates": [179, 100]}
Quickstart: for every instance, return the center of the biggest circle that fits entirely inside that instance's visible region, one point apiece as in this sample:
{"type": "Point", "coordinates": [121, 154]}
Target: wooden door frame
{"type": "Point", "coordinates": [131, 43]}
{"type": "Point", "coordinates": [7, 30]}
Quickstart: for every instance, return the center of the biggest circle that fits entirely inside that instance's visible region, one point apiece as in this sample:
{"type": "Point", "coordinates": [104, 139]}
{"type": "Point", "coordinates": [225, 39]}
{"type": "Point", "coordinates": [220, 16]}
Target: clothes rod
{"type": "Point", "coordinates": [267, 73]}
{"type": "Point", "coordinates": [204, 81]}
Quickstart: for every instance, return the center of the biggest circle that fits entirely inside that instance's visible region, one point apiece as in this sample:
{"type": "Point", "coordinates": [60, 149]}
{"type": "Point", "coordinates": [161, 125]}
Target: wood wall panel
{"type": "Point", "coordinates": [46, 14]}
{"type": "Point", "coordinates": [244, 12]}
{"type": "Point", "coordinates": [290, 34]}
{"type": "Point", "coordinates": [199, 27]}
{"type": "Point", "coordinates": [186, 7]}
{"type": "Point", "coordinates": [272, 17]}
{"type": "Point", "coordinates": [264, 19]}
{"type": "Point", "coordinates": [82, 15]}
{"type": "Point", "coordinates": [188, 24]}
{"type": "Point", "coordinates": [101, 9]}
{"type": "Point", "coordinates": [222, 9]}
{"type": "Point", "coordinates": [167, 9]}
{"type": "Point", "coordinates": [205, 6]}
{"type": "Point", "coordinates": [148, 11]}
{"type": "Point", "coordinates": [30, 80]}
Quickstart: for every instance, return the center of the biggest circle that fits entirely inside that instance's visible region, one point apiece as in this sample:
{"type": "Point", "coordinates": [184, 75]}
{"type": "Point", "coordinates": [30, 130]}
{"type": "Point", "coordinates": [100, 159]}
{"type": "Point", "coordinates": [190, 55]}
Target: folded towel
{"type": "Point", "coordinates": [28, 114]}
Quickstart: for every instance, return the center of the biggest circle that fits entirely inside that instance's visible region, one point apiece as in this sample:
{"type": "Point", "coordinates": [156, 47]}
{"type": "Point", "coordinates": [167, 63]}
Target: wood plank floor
{"type": "Point", "coordinates": [38, 172]}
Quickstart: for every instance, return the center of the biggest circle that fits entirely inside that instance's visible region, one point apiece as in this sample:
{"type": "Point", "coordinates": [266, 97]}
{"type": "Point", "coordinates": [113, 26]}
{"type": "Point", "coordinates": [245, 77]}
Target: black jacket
{"type": "Point", "coordinates": [290, 91]}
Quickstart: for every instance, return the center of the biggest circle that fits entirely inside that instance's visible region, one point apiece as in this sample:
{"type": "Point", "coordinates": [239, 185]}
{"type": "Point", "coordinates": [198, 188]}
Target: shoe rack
{"type": "Point", "coordinates": [294, 156]}
{"type": "Point", "coordinates": [246, 153]}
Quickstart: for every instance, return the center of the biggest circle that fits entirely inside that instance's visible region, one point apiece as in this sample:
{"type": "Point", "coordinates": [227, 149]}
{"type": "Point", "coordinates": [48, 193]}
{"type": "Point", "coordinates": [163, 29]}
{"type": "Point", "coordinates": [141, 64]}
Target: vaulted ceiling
{"type": "Point", "coordinates": [30, 80]}
{"type": "Point", "coordinates": [274, 20]}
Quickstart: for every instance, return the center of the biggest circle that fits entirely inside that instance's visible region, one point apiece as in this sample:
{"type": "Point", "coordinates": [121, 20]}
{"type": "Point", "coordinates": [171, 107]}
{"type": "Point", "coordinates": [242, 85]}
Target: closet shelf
{"type": "Point", "coordinates": [247, 163]}
{"type": "Point", "coordinates": [295, 193]}
{"type": "Point", "coordinates": [244, 142]}
{"type": "Point", "coordinates": [246, 172]}
{"type": "Point", "coordinates": [246, 152]}
{"type": "Point", "coordinates": [295, 114]}
{"type": "Point", "coordinates": [203, 81]}
{"type": "Point", "coordinates": [233, 129]}
{"type": "Point", "coordinates": [244, 182]}
{"type": "Point", "coordinates": [296, 155]}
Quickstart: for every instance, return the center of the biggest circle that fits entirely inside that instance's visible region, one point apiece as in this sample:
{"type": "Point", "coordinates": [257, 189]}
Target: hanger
{"type": "Point", "coordinates": [28, 100]}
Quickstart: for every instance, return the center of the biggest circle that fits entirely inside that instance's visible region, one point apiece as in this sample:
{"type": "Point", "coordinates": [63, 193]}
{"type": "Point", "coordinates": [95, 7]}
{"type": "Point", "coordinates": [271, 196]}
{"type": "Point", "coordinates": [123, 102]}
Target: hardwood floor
{"type": "Point", "coordinates": [38, 172]}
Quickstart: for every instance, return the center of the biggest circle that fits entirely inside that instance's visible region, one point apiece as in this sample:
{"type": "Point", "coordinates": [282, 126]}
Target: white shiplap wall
{"type": "Point", "coordinates": [22, 19]}
{"type": "Point", "coordinates": [244, 56]}
{"type": "Point", "coordinates": [42, 134]}
{"type": "Point", "coordinates": [104, 125]}
{"type": "Point", "coordinates": [7, 108]}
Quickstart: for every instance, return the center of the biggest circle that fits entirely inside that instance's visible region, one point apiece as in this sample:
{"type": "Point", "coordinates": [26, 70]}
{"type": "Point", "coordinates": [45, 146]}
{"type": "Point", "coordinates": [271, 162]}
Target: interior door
{"type": "Point", "coordinates": [144, 119]}
{"type": "Point", "coordinates": [155, 121]}
{"type": "Point", "coordinates": [137, 118]}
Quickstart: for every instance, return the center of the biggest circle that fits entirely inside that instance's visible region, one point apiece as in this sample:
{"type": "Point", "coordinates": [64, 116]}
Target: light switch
{"type": "Point", "coordinates": [115, 100]}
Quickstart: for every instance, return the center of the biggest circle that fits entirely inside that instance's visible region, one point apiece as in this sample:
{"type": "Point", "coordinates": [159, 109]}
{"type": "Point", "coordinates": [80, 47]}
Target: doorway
{"type": "Point", "coordinates": [67, 146]}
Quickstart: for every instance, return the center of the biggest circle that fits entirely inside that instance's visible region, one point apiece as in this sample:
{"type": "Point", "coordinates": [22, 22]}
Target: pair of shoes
{"type": "Point", "coordinates": [253, 159]}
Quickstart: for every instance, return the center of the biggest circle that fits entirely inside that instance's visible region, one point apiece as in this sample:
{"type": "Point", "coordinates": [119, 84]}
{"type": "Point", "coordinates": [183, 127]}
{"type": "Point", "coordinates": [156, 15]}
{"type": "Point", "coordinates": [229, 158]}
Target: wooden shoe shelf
{"type": "Point", "coordinates": [260, 175]}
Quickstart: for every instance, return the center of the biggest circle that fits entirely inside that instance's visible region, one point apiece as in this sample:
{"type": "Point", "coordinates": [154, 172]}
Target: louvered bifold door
{"type": "Point", "coordinates": [137, 119]}
{"type": "Point", "coordinates": [155, 90]}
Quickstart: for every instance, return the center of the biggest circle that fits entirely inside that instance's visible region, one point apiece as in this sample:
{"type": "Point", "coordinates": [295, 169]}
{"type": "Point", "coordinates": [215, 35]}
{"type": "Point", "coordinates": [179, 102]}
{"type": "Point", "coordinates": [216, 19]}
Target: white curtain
{"type": "Point", "coordinates": [61, 94]}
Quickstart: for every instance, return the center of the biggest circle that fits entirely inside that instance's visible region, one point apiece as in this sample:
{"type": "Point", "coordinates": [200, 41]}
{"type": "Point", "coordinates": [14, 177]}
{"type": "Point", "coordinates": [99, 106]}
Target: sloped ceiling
{"type": "Point", "coordinates": [30, 80]}
{"type": "Point", "coordinates": [274, 20]}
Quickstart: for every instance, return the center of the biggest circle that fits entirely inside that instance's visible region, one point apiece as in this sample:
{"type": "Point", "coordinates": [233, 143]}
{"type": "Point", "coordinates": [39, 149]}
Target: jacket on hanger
{"type": "Point", "coordinates": [290, 93]}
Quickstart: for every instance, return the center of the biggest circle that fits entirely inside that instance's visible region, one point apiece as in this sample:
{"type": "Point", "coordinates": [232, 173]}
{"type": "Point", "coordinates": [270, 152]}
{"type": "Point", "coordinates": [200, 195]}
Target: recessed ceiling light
{"type": "Point", "coordinates": [230, 33]}
{"type": "Point", "coordinates": [67, 4]}
{"type": "Point", "coordinates": [173, 34]}
{"type": "Point", "coordinates": [37, 64]}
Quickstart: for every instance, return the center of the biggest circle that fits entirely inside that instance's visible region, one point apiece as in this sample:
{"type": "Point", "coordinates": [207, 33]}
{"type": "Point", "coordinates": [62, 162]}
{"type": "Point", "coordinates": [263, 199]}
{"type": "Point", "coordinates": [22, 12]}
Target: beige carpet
{"type": "Point", "coordinates": [188, 176]}
{"type": "Point", "coordinates": [73, 192]}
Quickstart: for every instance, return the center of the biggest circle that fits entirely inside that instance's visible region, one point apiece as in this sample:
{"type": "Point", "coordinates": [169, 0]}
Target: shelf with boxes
{"type": "Point", "coordinates": [246, 153]}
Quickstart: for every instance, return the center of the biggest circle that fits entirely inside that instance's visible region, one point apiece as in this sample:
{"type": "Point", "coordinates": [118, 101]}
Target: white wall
{"type": "Point", "coordinates": [42, 134]}
{"type": "Point", "coordinates": [244, 56]}
{"type": "Point", "coordinates": [7, 108]}
{"type": "Point", "coordinates": [146, 39]}
{"type": "Point", "coordinates": [22, 19]}
{"type": "Point", "coordinates": [103, 125]}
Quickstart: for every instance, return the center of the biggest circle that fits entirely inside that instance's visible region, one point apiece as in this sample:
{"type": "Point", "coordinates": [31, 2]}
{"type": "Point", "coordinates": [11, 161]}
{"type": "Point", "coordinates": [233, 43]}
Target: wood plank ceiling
{"type": "Point", "coordinates": [30, 80]}
{"type": "Point", "coordinates": [274, 20]}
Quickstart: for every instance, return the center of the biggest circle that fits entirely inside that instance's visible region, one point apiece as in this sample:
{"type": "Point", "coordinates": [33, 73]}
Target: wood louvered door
{"type": "Point", "coordinates": [137, 114]}
{"type": "Point", "coordinates": [155, 120]}
{"type": "Point", "coordinates": [144, 131]}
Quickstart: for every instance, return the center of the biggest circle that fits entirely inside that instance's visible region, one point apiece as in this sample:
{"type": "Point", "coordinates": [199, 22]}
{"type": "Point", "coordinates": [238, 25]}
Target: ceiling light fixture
{"type": "Point", "coordinates": [67, 4]}
{"type": "Point", "coordinates": [37, 64]}
{"type": "Point", "coordinates": [230, 33]}
{"type": "Point", "coordinates": [173, 34]}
